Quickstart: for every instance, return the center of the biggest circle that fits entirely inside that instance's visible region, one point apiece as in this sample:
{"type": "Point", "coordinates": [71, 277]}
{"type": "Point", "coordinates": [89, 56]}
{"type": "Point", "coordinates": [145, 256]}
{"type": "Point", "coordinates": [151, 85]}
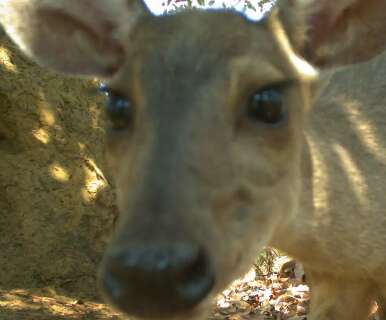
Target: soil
{"type": "Point", "coordinates": [56, 206]}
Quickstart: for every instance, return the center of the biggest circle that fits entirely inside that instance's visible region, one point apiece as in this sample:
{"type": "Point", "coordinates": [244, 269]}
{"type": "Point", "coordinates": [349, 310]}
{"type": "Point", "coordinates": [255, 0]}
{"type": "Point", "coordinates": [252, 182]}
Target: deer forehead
{"type": "Point", "coordinates": [188, 50]}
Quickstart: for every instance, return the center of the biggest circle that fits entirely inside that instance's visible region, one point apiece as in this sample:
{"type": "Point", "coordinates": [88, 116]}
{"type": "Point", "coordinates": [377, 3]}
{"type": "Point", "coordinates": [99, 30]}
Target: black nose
{"type": "Point", "coordinates": [157, 280]}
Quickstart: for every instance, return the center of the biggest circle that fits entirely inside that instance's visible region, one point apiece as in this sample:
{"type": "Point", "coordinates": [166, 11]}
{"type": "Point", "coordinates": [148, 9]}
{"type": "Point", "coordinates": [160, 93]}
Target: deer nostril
{"type": "Point", "coordinates": [161, 279]}
{"type": "Point", "coordinates": [193, 282]}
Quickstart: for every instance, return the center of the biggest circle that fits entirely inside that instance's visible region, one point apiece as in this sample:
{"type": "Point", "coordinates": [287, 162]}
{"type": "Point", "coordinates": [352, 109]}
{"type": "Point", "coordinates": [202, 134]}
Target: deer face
{"type": "Point", "coordinates": [205, 151]}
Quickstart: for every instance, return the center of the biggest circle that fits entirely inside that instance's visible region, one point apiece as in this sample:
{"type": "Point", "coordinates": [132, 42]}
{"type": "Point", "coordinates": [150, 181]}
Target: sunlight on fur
{"type": "Point", "coordinates": [353, 174]}
{"type": "Point", "coordinates": [364, 128]}
{"type": "Point", "coordinates": [320, 181]}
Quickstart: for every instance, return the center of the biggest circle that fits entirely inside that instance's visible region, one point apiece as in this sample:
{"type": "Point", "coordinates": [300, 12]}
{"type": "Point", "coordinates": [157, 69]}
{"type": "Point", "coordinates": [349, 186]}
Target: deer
{"type": "Point", "coordinates": [226, 135]}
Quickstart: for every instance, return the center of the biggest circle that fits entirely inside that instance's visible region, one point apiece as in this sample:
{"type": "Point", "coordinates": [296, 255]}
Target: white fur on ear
{"type": "Point", "coordinates": [86, 37]}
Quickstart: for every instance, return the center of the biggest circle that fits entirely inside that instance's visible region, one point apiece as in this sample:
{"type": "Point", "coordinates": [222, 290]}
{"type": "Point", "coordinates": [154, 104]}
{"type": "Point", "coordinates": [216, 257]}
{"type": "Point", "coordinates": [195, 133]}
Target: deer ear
{"type": "Point", "coordinates": [82, 37]}
{"type": "Point", "coordinates": [335, 32]}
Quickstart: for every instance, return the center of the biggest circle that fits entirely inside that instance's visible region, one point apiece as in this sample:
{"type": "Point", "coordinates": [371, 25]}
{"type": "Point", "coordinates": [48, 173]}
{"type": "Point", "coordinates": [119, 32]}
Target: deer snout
{"type": "Point", "coordinates": [157, 280]}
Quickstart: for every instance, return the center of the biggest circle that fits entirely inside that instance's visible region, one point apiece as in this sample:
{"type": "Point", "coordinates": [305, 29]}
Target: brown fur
{"type": "Point", "coordinates": [193, 167]}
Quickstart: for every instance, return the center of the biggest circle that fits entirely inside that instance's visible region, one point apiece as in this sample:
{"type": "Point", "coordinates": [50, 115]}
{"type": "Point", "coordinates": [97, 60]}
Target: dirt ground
{"type": "Point", "coordinates": [56, 206]}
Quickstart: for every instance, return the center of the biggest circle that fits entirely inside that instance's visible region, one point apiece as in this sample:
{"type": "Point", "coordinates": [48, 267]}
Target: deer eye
{"type": "Point", "coordinates": [118, 109]}
{"type": "Point", "coordinates": [266, 106]}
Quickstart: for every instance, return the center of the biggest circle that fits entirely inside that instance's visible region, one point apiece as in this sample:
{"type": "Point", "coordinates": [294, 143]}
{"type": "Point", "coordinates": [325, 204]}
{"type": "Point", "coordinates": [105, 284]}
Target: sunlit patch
{"type": "Point", "coordinates": [13, 302]}
{"type": "Point", "coordinates": [46, 111]}
{"type": "Point", "coordinates": [94, 180]}
{"type": "Point", "coordinates": [41, 135]}
{"type": "Point", "coordinates": [353, 174]}
{"type": "Point", "coordinates": [320, 180]}
{"type": "Point", "coordinates": [364, 128]}
{"type": "Point", "coordinates": [6, 61]}
{"type": "Point", "coordinates": [46, 303]}
{"type": "Point", "coordinates": [47, 117]}
{"type": "Point", "coordinates": [59, 173]}
{"type": "Point", "coordinates": [81, 146]}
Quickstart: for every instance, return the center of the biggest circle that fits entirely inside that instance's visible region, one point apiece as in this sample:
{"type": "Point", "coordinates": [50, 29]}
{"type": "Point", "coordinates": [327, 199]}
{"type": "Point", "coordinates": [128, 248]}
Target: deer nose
{"type": "Point", "coordinates": [157, 280]}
